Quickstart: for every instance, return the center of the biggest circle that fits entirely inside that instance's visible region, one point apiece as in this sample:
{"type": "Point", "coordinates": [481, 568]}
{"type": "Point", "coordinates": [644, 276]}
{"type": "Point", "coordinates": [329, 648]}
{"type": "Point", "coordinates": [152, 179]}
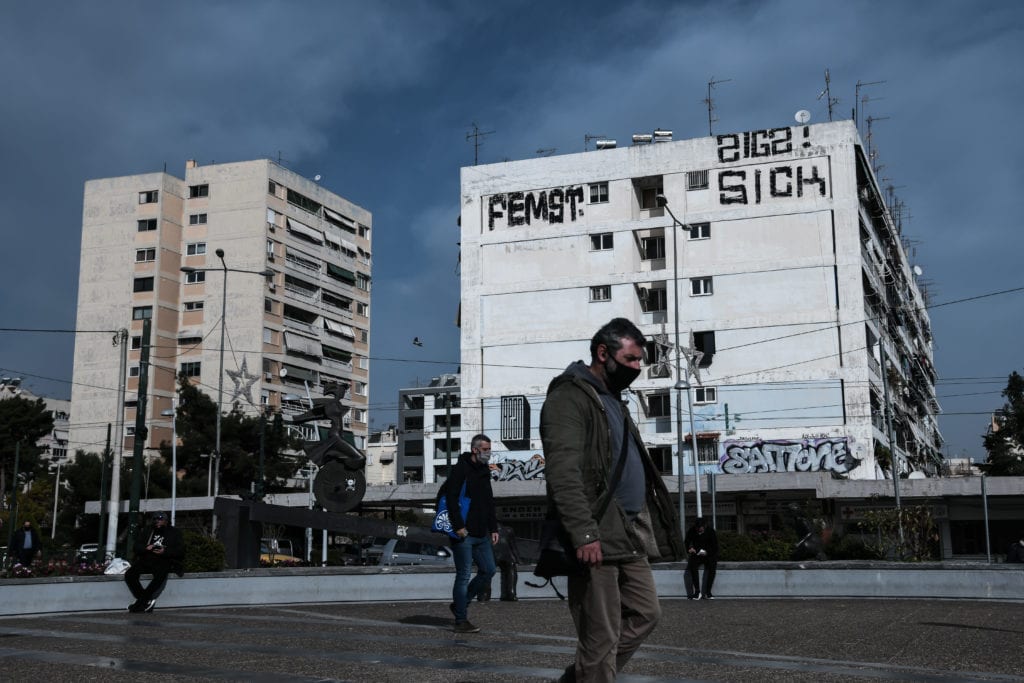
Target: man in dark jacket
{"type": "Point", "coordinates": [701, 549]}
{"type": "Point", "coordinates": [584, 424]}
{"type": "Point", "coordinates": [477, 533]}
{"type": "Point", "coordinates": [26, 544]}
{"type": "Point", "coordinates": [158, 551]}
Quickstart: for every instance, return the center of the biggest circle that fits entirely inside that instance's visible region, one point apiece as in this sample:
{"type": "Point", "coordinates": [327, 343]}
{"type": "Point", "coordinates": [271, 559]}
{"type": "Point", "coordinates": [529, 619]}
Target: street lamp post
{"type": "Point", "coordinates": [56, 490]}
{"type": "Point", "coordinates": [173, 414]}
{"type": "Point", "coordinates": [220, 373]}
{"type": "Point", "coordinates": [681, 383]}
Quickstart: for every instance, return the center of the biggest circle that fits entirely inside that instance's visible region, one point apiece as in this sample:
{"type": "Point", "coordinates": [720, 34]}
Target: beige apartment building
{"type": "Point", "coordinates": [295, 298]}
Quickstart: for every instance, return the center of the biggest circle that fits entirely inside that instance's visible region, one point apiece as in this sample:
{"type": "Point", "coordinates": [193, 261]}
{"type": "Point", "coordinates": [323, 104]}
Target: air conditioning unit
{"type": "Point", "coordinates": [269, 376]}
{"type": "Point", "coordinates": [271, 286]}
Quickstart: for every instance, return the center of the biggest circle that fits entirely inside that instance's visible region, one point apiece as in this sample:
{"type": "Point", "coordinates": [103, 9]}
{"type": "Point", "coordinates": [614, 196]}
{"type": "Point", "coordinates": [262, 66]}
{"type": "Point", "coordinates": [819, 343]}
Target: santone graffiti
{"type": "Point", "coordinates": [807, 455]}
{"type": "Point", "coordinates": [509, 470]}
{"type": "Point", "coordinates": [521, 208]}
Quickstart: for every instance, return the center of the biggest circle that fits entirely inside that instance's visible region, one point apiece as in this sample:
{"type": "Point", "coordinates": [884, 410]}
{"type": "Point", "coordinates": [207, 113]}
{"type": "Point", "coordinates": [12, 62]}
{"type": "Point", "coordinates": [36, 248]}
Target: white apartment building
{"type": "Point", "coordinates": [296, 307]}
{"type": "Point", "coordinates": [786, 266]}
{"type": "Point", "coordinates": [429, 430]}
{"type": "Point", "coordinates": [381, 457]}
{"type": "Point", "coordinates": [54, 445]}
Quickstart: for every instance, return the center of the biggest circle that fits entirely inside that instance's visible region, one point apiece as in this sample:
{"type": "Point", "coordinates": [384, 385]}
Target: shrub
{"type": "Point", "coordinates": [734, 547]}
{"type": "Point", "coordinates": [202, 553]}
{"type": "Point", "coordinates": [850, 547]}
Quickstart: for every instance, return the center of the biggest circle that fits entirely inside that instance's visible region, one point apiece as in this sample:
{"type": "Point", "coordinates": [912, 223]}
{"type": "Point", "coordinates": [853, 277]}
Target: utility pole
{"type": "Point", "coordinates": [141, 434]}
{"type": "Point", "coordinates": [114, 506]}
{"type": "Point", "coordinates": [12, 516]}
{"type": "Point", "coordinates": [104, 500]}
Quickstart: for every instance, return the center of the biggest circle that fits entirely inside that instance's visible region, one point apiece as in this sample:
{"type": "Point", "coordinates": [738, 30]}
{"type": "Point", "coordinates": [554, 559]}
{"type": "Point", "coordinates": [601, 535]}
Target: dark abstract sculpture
{"type": "Point", "coordinates": [340, 483]}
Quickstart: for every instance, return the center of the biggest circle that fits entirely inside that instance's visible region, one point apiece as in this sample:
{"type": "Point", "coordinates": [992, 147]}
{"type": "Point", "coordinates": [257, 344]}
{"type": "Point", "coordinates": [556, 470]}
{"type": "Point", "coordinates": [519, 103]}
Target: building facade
{"type": "Point", "coordinates": [429, 430]}
{"type": "Point", "coordinates": [381, 457]}
{"type": "Point", "coordinates": [783, 268]}
{"type": "Point", "coordinates": [54, 445]}
{"type": "Point", "coordinates": [295, 299]}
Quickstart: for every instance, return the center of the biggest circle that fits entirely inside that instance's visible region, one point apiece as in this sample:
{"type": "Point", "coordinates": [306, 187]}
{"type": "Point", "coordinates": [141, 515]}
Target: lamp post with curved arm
{"type": "Point", "coordinates": [682, 382]}
{"type": "Point", "coordinates": [220, 374]}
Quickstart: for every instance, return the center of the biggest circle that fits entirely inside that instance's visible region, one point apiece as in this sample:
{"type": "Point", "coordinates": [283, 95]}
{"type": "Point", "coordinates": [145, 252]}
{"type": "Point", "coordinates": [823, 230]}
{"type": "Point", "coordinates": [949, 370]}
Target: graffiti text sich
{"type": "Point", "coordinates": [807, 455]}
{"type": "Point", "coordinates": [753, 186]}
{"type": "Point", "coordinates": [522, 208]}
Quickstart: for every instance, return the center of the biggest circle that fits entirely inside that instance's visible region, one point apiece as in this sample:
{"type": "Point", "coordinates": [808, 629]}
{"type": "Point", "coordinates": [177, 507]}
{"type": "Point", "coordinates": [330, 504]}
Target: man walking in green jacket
{"type": "Point", "coordinates": [586, 428]}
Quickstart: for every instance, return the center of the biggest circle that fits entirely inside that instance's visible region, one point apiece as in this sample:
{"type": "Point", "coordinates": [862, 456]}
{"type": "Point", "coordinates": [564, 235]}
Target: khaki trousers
{"type": "Point", "coordinates": [614, 608]}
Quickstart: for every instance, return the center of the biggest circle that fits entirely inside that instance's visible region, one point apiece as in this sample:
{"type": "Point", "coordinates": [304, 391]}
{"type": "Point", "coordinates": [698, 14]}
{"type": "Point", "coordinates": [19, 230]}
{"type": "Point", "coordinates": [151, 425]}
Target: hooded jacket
{"type": "Point", "coordinates": [578, 457]}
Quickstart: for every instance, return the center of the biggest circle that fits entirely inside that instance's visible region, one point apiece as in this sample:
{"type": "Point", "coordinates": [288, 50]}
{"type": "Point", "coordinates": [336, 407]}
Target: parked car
{"type": "Point", "coordinates": [399, 551]}
{"type": "Point", "coordinates": [277, 551]}
{"type": "Point", "coordinates": [88, 552]}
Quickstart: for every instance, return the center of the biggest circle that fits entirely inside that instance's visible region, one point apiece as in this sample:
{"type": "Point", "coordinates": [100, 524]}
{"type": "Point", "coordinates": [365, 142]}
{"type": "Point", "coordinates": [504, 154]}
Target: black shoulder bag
{"type": "Point", "coordinates": [557, 554]}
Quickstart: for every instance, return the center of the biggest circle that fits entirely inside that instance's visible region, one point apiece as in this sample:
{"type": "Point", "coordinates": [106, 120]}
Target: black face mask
{"type": "Point", "coordinates": [618, 376]}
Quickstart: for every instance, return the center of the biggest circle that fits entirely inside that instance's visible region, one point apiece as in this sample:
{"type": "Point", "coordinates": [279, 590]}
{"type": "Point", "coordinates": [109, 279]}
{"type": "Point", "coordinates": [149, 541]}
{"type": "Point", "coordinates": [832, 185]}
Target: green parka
{"type": "Point", "coordinates": [577, 463]}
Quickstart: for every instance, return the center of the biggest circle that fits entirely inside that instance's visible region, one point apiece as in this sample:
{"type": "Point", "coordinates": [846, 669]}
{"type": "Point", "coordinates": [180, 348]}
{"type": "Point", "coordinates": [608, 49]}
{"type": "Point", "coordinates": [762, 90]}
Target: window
{"type": "Point", "coordinates": [190, 341]}
{"type": "Point", "coordinates": [652, 248]}
{"type": "Point", "coordinates": [268, 305]}
{"type": "Point", "coordinates": [700, 286]}
{"type": "Point", "coordinates": [195, 249]}
{"type": "Point", "coordinates": [697, 180]}
{"type": "Point", "coordinates": [598, 193]}
{"type": "Point", "coordinates": [649, 197]}
{"type": "Point", "coordinates": [193, 305]}
{"type": "Point", "coordinates": [129, 430]}
{"type": "Point", "coordinates": [653, 299]}
{"type": "Point", "coordinates": [360, 388]}
{"type": "Point", "coordinates": [270, 249]}
{"type": "Point", "coordinates": [702, 395]}
{"type": "Point", "coordinates": [145, 255]}
{"type": "Point", "coordinates": [662, 457]}
{"type": "Point", "coordinates": [362, 281]}
{"type": "Point", "coordinates": [364, 363]}
{"type": "Point", "coordinates": [147, 225]}
{"type": "Point", "coordinates": [362, 309]}
{"type": "Point", "coordinates": [414, 423]}
{"type": "Point", "coordinates": [700, 231]}
{"type": "Point", "coordinates": [195, 277]}
{"type": "Point", "coordinates": [197, 219]}
{"type": "Point", "coordinates": [659, 405]}
{"type": "Point", "coordinates": [142, 313]}
{"type": "Point", "coordinates": [136, 342]}
{"type": "Point", "coordinates": [601, 293]}
{"type": "Point", "coordinates": [707, 450]}
{"type": "Point", "coordinates": [359, 415]}
{"type": "Point", "coordinates": [196, 191]}
{"type": "Point", "coordinates": [268, 335]}
{"type": "Point", "coordinates": [601, 242]}
{"type": "Point", "coordinates": [133, 371]}
{"type": "Point", "coordinates": [272, 187]}
{"type": "Point", "coordinates": [705, 341]}
{"type": "Point", "coordinates": [363, 336]}
{"type": "Point", "coordinates": [149, 197]}
{"type": "Point", "coordinates": [191, 368]}
{"type": "Point", "coordinates": [142, 284]}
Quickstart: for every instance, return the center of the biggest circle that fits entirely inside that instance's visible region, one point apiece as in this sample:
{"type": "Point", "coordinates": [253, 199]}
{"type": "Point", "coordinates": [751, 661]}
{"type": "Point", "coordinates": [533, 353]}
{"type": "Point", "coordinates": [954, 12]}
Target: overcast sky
{"type": "Point", "coordinates": [377, 98]}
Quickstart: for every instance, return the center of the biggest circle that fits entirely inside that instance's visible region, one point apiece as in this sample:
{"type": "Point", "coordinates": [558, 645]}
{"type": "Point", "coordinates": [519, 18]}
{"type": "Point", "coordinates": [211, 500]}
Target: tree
{"type": "Point", "coordinates": [25, 422]}
{"type": "Point", "coordinates": [1005, 440]}
{"type": "Point", "coordinates": [239, 443]}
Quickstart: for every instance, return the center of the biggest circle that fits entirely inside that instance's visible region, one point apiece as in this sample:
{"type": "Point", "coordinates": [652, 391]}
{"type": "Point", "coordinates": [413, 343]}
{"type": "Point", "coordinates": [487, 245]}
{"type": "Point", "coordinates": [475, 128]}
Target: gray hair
{"type": "Point", "coordinates": [478, 439]}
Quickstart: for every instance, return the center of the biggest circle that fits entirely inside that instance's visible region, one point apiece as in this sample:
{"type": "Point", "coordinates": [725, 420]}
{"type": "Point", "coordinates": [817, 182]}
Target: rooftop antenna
{"type": "Point", "coordinates": [827, 94]}
{"type": "Point", "coordinates": [856, 100]}
{"type": "Point", "coordinates": [546, 151]}
{"type": "Point", "coordinates": [588, 137]}
{"type": "Point", "coordinates": [476, 135]}
{"type": "Point", "coordinates": [871, 150]}
{"type": "Point", "coordinates": [711, 104]}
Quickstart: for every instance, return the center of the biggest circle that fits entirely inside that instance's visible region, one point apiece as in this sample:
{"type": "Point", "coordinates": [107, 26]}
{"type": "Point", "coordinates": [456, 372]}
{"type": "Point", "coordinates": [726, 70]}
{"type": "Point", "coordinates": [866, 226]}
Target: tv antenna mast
{"type": "Point", "coordinates": [476, 135]}
{"type": "Point", "coordinates": [856, 100]}
{"type": "Point", "coordinates": [711, 104]}
{"type": "Point", "coordinates": [827, 94]}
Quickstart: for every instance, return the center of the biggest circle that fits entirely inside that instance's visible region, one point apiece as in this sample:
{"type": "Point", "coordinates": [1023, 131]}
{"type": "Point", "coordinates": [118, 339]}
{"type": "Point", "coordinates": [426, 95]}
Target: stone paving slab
{"type": "Point", "coordinates": [820, 640]}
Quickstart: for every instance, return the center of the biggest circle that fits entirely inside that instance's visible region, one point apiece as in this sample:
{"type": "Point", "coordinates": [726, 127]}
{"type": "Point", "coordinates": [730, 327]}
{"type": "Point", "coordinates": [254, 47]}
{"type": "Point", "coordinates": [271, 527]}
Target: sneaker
{"type": "Point", "coordinates": [709, 596]}
{"type": "Point", "coordinates": [700, 596]}
{"type": "Point", "coordinates": [135, 607]}
{"type": "Point", "coordinates": [149, 606]}
{"type": "Point", "coordinates": [466, 627]}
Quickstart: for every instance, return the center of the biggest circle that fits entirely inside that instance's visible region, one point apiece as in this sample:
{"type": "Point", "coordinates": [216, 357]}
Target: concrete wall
{"type": "Point", "coordinates": [372, 584]}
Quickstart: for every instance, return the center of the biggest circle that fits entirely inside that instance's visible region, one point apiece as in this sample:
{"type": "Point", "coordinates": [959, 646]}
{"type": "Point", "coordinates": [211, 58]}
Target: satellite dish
{"type": "Point", "coordinates": [317, 177]}
{"type": "Point", "coordinates": [283, 372]}
{"type": "Point", "coordinates": [802, 116]}
{"type": "Point", "coordinates": [917, 271]}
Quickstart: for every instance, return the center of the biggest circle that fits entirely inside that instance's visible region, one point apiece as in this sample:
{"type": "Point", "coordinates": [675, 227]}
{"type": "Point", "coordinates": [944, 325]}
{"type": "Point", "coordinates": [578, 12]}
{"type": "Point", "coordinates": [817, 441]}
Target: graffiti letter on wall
{"type": "Point", "coordinates": [806, 455]}
{"type": "Point", "coordinates": [522, 208]}
{"type": "Point", "coordinates": [523, 470]}
{"type": "Point", "coordinates": [733, 193]}
{"type": "Point", "coordinates": [756, 144]}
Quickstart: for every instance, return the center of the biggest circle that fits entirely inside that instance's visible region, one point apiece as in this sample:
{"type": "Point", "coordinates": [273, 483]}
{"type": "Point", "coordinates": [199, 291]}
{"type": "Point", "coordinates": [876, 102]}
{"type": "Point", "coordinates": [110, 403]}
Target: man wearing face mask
{"type": "Point", "coordinates": [477, 532]}
{"type": "Point", "coordinates": [586, 430]}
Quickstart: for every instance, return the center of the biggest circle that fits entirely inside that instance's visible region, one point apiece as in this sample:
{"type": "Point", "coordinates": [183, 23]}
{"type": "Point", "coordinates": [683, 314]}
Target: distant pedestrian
{"type": "Point", "coordinates": [159, 551]}
{"type": "Point", "coordinates": [701, 549]}
{"type": "Point", "coordinates": [26, 544]}
{"type": "Point", "coordinates": [506, 555]}
{"type": "Point", "coordinates": [1015, 553]}
{"type": "Point", "coordinates": [477, 532]}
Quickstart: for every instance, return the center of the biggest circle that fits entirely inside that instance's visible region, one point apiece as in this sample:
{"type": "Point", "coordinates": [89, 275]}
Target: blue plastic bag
{"type": "Point", "coordinates": [442, 524]}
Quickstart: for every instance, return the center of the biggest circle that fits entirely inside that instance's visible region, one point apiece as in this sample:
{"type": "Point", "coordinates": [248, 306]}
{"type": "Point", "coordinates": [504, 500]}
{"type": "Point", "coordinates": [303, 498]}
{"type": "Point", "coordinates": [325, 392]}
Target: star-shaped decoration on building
{"type": "Point", "coordinates": [662, 350]}
{"type": "Point", "coordinates": [693, 356]}
{"type": "Point", "coordinates": [243, 383]}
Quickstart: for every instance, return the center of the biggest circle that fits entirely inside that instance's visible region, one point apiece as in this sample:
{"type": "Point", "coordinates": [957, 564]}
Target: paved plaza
{"type": "Point", "coordinates": [726, 639]}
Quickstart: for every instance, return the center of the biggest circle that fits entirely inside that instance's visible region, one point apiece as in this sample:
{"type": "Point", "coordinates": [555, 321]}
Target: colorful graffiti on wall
{"type": "Point", "coordinates": [523, 470]}
{"type": "Point", "coordinates": [755, 456]}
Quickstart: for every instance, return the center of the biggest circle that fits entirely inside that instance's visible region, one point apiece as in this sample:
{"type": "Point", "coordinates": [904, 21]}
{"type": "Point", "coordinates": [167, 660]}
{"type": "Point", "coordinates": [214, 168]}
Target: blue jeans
{"type": "Point", "coordinates": [471, 549]}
